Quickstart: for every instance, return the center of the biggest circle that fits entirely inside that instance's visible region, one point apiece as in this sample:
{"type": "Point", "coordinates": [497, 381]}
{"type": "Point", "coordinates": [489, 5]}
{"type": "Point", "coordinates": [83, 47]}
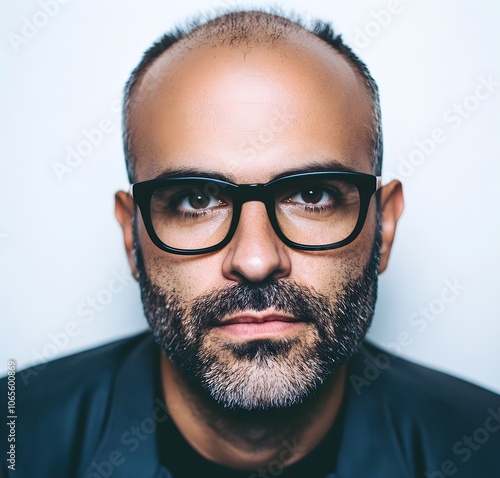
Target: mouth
{"type": "Point", "coordinates": [255, 325]}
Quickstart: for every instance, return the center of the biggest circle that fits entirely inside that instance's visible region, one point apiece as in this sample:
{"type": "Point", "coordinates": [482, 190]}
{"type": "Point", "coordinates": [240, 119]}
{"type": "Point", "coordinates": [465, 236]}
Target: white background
{"type": "Point", "coordinates": [60, 244]}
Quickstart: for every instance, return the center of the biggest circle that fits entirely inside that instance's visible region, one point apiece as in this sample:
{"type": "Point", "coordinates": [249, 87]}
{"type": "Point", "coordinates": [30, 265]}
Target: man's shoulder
{"type": "Point", "coordinates": [430, 420]}
{"type": "Point", "coordinates": [67, 381]}
{"type": "Point", "coordinates": [64, 404]}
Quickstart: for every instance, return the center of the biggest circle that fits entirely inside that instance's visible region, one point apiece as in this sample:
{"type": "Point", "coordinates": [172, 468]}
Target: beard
{"type": "Point", "coordinates": [267, 373]}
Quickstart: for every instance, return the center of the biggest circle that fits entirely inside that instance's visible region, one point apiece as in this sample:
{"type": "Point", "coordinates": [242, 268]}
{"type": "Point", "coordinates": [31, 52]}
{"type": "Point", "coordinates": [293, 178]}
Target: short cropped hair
{"type": "Point", "coordinates": [235, 27]}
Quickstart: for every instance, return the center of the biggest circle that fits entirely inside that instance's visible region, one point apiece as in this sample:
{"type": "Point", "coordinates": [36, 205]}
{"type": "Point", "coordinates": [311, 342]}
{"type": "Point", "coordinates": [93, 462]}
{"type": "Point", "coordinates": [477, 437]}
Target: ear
{"type": "Point", "coordinates": [392, 205]}
{"type": "Point", "coordinates": [124, 212]}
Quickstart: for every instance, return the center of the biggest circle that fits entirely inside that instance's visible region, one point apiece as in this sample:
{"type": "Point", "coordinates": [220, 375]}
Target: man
{"type": "Point", "coordinates": [256, 226]}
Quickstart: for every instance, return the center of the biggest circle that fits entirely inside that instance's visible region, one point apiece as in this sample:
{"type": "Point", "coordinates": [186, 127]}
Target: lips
{"type": "Point", "coordinates": [254, 325]}
{"type": "Point", "coordinates": [257, 318]}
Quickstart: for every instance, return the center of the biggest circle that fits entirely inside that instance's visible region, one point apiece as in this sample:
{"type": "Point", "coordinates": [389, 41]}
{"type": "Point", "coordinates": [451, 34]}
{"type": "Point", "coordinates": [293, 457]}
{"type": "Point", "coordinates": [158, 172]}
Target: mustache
{"type": "Point", "coordinates": [283, 295]}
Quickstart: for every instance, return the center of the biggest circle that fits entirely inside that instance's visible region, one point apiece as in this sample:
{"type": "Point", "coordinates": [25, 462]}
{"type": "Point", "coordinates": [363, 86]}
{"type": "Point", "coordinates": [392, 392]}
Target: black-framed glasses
{"type": "Point", "coordinates": [309, 211]}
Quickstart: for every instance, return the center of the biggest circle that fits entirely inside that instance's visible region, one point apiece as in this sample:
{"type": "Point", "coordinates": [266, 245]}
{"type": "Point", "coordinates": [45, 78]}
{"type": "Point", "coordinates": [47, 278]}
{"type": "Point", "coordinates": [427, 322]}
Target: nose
{"type": "Point", "coordinates": [255, 252]}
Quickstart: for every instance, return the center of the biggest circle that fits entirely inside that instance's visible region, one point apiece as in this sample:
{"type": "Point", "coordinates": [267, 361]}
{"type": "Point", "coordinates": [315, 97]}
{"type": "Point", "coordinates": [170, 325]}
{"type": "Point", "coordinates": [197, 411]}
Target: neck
{"type": "Point", "coordinates": [250, 439]}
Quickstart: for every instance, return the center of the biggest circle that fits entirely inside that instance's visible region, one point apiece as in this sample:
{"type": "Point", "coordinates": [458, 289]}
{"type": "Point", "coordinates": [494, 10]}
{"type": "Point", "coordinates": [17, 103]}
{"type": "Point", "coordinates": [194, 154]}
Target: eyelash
{"type": "Point", "coordinates": [318, 209]}
{"type": "Point", "coordinates": [190, 214]}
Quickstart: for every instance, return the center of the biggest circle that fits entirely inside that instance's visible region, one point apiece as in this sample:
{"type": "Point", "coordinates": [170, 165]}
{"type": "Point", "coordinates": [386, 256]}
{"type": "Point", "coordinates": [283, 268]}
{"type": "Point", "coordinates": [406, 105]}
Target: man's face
{"type": "Point", "coordinates": [251, 114]}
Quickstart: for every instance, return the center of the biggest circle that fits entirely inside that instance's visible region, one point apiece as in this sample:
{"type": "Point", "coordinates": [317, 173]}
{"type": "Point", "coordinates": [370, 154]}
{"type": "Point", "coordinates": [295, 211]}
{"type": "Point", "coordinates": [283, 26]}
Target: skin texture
{"type": "Point", "coordinates": [254, 112]}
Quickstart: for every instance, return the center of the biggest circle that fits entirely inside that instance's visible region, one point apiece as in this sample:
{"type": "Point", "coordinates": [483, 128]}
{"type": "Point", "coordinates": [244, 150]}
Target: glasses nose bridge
{"type": "Point", "coordinates": [255, 192]}
{"type": "Point", "coordinates": [252, 192]}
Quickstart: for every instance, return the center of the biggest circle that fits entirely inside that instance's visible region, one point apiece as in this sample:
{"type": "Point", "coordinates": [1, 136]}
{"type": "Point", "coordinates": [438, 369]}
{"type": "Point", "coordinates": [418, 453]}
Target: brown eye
{"type": "Point", "coordinates": [199, 201]}
{"type": "Point", "coordinates": [312, 196]}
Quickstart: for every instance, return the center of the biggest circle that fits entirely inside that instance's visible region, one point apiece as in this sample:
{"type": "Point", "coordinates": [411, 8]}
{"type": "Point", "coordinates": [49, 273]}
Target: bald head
{"type": "Point", "coordinates": [242, 45]}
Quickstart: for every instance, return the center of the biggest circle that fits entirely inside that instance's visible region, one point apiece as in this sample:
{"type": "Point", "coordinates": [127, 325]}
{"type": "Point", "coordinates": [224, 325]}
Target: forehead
{"type": "Point", "coordinates": [250, 112]}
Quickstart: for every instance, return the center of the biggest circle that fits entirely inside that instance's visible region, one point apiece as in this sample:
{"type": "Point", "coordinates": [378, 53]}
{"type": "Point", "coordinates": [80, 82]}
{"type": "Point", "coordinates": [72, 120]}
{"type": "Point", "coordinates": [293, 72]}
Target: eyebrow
{"type": "Point", "coordinates": [317, 167]}
{"type": "Point", "coordinates": [191, 173]}
{"type": "Point", "coordinates": [312, 167]}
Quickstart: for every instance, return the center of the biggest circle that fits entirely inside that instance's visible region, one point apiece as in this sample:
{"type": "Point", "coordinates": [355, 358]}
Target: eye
{"type": "Point", "coordinates": [312, 195]}
{"type": "Point", "coordinates": [197, 200]}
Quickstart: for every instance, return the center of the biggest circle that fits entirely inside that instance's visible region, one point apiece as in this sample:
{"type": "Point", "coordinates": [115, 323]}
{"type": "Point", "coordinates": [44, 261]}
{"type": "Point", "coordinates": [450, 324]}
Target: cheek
{"type": "Point", "coordinates": [186, 276]}
{"type": "Point", "coordinates": [326, 272]}
{"type": "Point", "coordinates": [329, 271]}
